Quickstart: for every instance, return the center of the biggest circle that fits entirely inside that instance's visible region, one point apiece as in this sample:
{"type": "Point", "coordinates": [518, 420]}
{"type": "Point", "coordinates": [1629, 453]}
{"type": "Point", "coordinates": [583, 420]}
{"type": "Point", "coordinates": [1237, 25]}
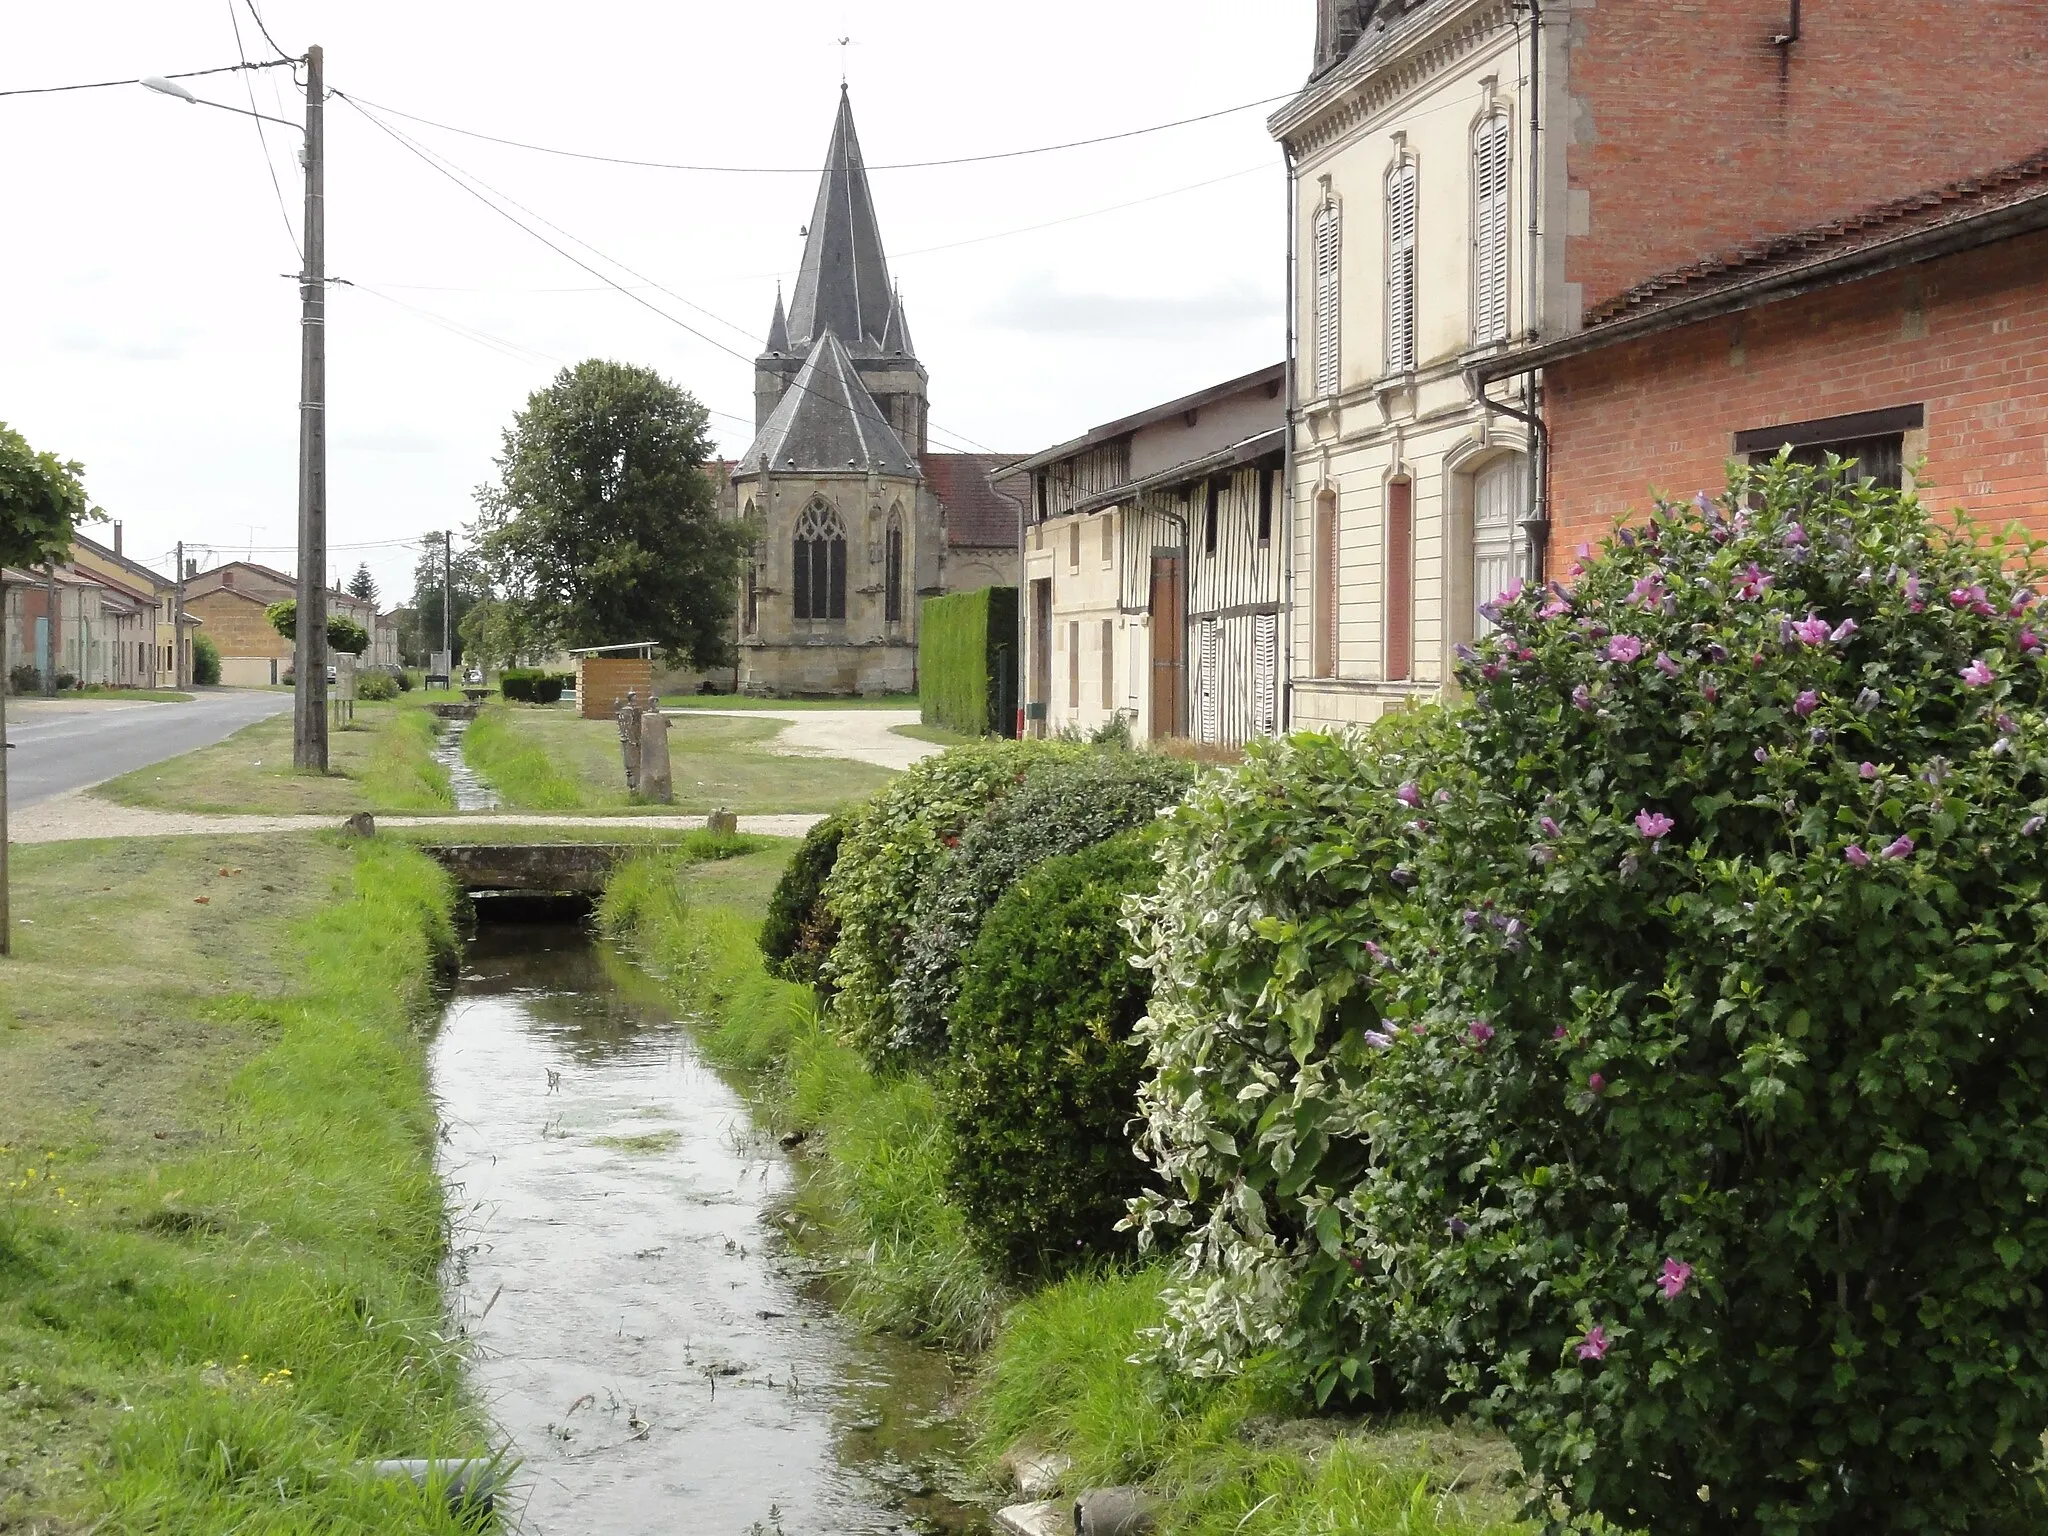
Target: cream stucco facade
{"type": "Point", "coordinates": [1414, 255]}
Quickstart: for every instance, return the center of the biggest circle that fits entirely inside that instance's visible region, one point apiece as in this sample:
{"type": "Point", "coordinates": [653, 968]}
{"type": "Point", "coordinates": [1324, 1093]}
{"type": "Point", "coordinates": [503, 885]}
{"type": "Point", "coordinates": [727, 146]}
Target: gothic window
{"type": "Point", "coordinates": [1401, 259]}
{"type": "Point", "coordinates": [1329, 244]}
{"type": "Point", "coordinates": [1490, 233]}
{"type": "Point", "coordinates": [819, 572]}
{"type": "Point", "coordinates": [893, 570]}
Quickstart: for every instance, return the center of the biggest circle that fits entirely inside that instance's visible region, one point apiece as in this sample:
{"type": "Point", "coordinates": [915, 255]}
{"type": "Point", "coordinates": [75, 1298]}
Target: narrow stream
{"type": "Point", "coordinates": [472, 793]}
{"type": "Point", "coordinates": [645, 1339]}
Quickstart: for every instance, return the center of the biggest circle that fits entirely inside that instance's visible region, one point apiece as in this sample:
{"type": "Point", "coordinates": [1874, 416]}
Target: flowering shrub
{"type": "Point", "coordinates": [1652, 1062]}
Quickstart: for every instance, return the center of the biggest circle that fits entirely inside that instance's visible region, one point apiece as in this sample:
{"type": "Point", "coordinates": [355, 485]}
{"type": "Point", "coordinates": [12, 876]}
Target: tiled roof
{"type": "Point", "coordinates": [2007, 187]}
{"type": "Point", "coordinates": [975, 515]}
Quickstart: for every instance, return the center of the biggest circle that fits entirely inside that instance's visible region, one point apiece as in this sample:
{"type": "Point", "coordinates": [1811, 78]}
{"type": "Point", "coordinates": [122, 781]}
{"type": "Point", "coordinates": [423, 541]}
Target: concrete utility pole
{"type": "Point", "coordinates": [53, 623]}
{"type": "Point", "coordinates": [309, 651]}
{"type": "Point", "coordinates": [178, 623]}
{"type": "Point", "coordinates": [447, 597]}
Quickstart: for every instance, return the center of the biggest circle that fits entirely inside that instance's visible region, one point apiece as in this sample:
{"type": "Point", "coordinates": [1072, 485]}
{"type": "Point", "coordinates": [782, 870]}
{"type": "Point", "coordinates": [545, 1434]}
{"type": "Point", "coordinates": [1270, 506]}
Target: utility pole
{"type": "Point", "coordinates": [447, 598]}
{"type": "Point", "coordinates": [309, 651]}
{"type": "Point", "coordinates": [178, 623]}
{"type": "Point", "coordinates": [53, 623]}
{"type": "Point", "coordinates": [6, 923]}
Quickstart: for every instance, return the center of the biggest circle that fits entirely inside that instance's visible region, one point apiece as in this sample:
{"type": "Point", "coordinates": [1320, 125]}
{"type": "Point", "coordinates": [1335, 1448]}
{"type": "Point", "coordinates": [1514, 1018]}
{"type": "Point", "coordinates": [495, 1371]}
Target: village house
{"type": "Point", "coordinates": [159, 666]}
{"type": "Point", "coordinates": [856, 518]}
{"type": "Point", "coordinates": [232, 599]}
{"type": "Point", "coordinates": [1154, 569]}
{"type": "Point", "coordinates": [1437, 256]}
{"type": "Point", "coordinates": [81, 625]}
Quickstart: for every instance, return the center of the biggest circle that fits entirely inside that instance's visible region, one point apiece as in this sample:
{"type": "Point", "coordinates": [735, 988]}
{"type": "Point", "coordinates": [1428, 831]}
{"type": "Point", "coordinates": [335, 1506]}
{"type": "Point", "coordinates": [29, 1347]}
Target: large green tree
{"type": "Point", "coordinates": [603, 526]}
{"type": "Point", "coordinates": [41, 502]}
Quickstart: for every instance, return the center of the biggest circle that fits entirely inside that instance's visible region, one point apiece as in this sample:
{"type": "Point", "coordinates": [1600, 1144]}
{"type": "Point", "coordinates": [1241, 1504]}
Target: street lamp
{"type": "Point", "coordinates": [309, 648]}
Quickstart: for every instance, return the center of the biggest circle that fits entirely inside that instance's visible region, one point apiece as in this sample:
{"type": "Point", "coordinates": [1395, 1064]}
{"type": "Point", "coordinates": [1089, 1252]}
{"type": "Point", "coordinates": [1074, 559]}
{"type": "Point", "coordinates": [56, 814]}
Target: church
{"type": "Point", "coordinates": [856, 519]}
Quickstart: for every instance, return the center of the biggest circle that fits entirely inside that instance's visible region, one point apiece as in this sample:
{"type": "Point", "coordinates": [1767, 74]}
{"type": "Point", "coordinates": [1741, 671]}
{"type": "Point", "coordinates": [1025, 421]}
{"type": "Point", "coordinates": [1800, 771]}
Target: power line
{"type": "Point", "coordinates": [257, 16]}
{"type": "Point", "coordinates": [810, 170]}
{"type": "Point", "coordinates": [101, 85]}
{"type": "Point", "coordinates": [262, 140]}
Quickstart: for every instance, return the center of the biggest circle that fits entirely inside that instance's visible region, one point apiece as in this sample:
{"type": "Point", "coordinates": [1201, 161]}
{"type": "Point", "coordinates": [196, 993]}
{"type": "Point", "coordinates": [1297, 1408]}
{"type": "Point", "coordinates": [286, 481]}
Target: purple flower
{"type": "Point", "coordinates": [1973, 599]}
{"type": "Point", "coordinates": [1717, 653]}
{"type": "Point", "coordinates": [1466, 653]}
{"type": "Point", "coordinates": [1595, 1344]}
{"type": "Point", "coordinates": [1846, 630]}
{"type": "Point", "coordinates": [1511, 933]}
{"type": "Point", "coordinates": [1556, 608]}
{"type": "Point", "coordinates": [1550, 827]}
{"type": "Point", "coordinates": [1558, 1033]}
{"type": "Point", "coordinates": [1913, 594]}
{"type": "Point", "coordinates": [2007, 726]}
{"type": "Point", "coordinates": [2033, 825]}
{"type": "Point", "coordinates": [1409, 794]}
{"type": "Point", "coordinates": [1654, 824]}
{"type": "Point", "coordinates": [1401, 875]}
{"type": "Point", "coordinates": [1582, 696]}
{"type": "Point", "coordinates": [1480, 1031]}
{"type": "Point", "coordinates": [1762, 754]}
{"type": "Point", "coordinates": [1512, 593]}
{"type": "Point", "coordinates": [1627, 537]}
{"type": "Point", "coordinates": [1596, 1084]}
{"type": "Point", "coordinates": [1471, 921]}
{"type": "Point", "coordinates": [1624, 648]}
{"type": "Point", "coordinates": [1666, 665]}
{"type": "Point", "coordinates": [1648, 590]}
{"type": "Point", "coordinates": [1806, 704]}
{"type": "Point", "coordinates": [1673, 1280]}
{"type": "Point", "coordinates": [1900, 847]}
{"type": "Point", "coordinates": [1755, 582]}
{"type": "Point", "coordinates": [1794, 535]}
{"type": "Point", "coordinates": [2029, 641]}
{"type": "Point", "coordinates": [1811, 630]}
{"type": "Point", "coordinates": [1456, 1227]}
{"type": "Point", "coordinates": [1379, 955]}
{"type": "Point", "coordinates": [1491, 672]}
{"type": "Point", "coordinates": [1868, 770]}
{"type": "Point", "coordinates": [1865, 576]}
{"type": "Point", "coordinates": [1868, 700]}
{"type": "Point", "coordinates": [1977, 675]}
{"type": "Point", "coordinates": [1379, 1040]}
{"type": "Point", "coordinates": [1819, 735]}
{"type": "Point", "coordinates": [1855, 855]}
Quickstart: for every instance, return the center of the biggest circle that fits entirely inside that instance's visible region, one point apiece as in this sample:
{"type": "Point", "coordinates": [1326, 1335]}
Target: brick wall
{"type": "Point", "coordinates": [1689, 141]}
{"type": "Point", "coordinates": [236, 625]}
{"type": "Point", "coordinates": [1966, 336]}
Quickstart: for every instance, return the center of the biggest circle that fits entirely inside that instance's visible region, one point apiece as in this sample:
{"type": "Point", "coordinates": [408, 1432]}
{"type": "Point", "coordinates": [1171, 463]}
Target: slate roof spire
{"type": "Point", "coordinates": [778, 328]}
{"type": "Point", "coordinates": [827, 422]}
{"type": "Point", "coordinates": [843, 285]}
{"type": "Point", "coordinates": [896, 337]}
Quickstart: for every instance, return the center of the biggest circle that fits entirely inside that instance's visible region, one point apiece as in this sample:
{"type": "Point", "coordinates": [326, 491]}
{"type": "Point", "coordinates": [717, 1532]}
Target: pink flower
{"type": "Point", "coordinates": [1806, 704]}
{"type": "Point", "coordinates": [1595, 1344]}
{"type": "Point", "coordinates": [1795, 535]}
{"type": "Point", "coordinates": [1550, 827]}
{"type": "Point", "coordinates": [1582, 697]}
{"type": "Point", "coordinates": [1666, 665]}
{"type": "Point", "coordinates": [1556, 608]}
{"type": "Point", "coordinates": [1755, 583]}
{"type": "Point", "coordinates": [1811, 630]}
{"type": "Point", "coordinates": [1558, 1033]}
{"type": "Point", "coordinates": [1648, 592]}
{"type": "Point", "coordinates": [1973, 599]}
{"type": "Point", "coordinates": [1624, 648]}
{"type": "Point", "coordinates": [1513, 592]}
{"type": "Point", "coordinates": [1654, 824]}
{"type": "Point", "coordinates": [1409, 794]}
{"type": "Point", "coordinates": [1977, 675]}
{"type": "Point", "coordinates": [1855, 855]}
{"type": "Point", "coordinates": [1672, 1281]}
{"type": "Point", "coordinates": [1843, 631]}
{"type": "Point", "coordinates": [1868, 770]}
{"type": "Point", "coordinates": [2029, 641]}
{"type": "Point", "coordinates": [1710, 693]}
{"type": "Point", "coordinates": [1596, 1084]}
{"type": "Point", "coordinates": [1900, 847]}
{"type": "Point", "coordinates": [1480, 1031]}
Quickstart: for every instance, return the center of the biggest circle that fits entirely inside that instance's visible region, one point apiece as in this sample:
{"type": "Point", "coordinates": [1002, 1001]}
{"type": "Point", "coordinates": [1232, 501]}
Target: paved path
{"type": "Point", "coordinates": [865, 735]}
{"type": "Point", "coordinates": [67, 744]}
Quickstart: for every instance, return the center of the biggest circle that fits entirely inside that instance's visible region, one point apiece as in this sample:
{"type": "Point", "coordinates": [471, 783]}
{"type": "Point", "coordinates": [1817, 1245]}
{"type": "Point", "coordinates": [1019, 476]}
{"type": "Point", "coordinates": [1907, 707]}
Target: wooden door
{"type": "Point", "coordinates": [1169, 667]}
{"type": "Point", "coordinates": [1039, 695]}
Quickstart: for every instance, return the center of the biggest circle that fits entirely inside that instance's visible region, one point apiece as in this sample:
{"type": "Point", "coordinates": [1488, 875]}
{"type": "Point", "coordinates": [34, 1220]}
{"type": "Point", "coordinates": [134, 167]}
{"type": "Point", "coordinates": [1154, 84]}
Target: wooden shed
{"type": "Point", "coordinates": [604, 674]}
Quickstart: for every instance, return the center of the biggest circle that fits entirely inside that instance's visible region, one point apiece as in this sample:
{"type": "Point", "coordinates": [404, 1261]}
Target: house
{"type": "Point", "coordinates": [83, 626]}
{"type": "Point", "coordinates": [1154, 561]}
{"type": "Point", "coordinates": [856, 516]}
{"type": "Point", "coordinates": [1909, 337]}
{"type": "Point", "coordinates": [1430, 244]}
{"type": "Point", "coordinates": [162, 668]}
{"type": "Point", "coordinates": [232, 599]}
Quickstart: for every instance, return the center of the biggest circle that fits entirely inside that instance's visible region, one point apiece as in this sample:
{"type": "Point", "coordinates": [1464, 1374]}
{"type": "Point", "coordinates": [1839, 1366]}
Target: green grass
{"type": "Point", "coordinates": [550, 759]}
{"type": "Point", "coordinates": [874, 1197]}
{"type": "Point", "coordinates": [750, 701]}
{"type": "Point", "coordinates": [384, 762]}
{"type": "Point", "coordinates": [937, 733]}
{"type": "Point", "coordinates": [219, 1290]}
{"type": "Point", "coordinates": [1227, 1458]}
{"type": "Point", "coordinates": [133, 695]}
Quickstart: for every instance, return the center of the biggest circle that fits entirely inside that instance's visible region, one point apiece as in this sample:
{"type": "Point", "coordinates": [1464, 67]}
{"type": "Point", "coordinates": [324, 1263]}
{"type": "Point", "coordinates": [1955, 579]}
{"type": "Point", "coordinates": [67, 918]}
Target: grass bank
{"type": "Point", "coordinates": [383, 762]}
{"type": "Point", "coordinates": [750, 701]}
{"type": "Point", "coordinates": [551, 759]}
{"type": "Point", "coordinates": [875, 1195]}
{"type": "Point", "coordinates": [220, 1230]}
{"type": "Point", "coordinates": [133, 695]}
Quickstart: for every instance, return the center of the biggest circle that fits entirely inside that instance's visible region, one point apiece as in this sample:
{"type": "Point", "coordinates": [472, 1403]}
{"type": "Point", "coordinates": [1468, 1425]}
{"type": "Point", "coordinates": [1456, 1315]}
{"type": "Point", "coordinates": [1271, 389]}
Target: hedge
{"type": "Point", "coordinates": [527, 685]}
{"type": "Point", "coordinates": [967, 661]}
{"type": "Point", "coordinates": [799, 929]}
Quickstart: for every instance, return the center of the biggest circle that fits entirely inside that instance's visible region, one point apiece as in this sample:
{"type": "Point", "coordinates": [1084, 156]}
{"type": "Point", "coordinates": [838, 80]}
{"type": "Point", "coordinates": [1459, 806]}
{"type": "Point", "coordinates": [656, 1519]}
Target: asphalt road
{"type": "Point", "coordinates": [68, 745]}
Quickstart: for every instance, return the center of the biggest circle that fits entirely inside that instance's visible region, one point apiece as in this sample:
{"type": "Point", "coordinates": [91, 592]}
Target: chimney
{"type": "Point", "coordinates": [117, 538]}
{"type": "Point", "coordinates": [227, 576]}
{"type": "Point", "coordinates": [191, 569]}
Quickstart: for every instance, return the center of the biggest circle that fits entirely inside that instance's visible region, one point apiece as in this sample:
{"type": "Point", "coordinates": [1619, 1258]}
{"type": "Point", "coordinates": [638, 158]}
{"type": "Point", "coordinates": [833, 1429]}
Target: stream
{"type": "Point", "coordinates": [471, 791]}
{"type": "Point", "coordinates": [645, 1339]}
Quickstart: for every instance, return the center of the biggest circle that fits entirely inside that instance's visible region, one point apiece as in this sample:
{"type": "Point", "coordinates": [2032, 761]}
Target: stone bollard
{"type": "Point", "coordinates": [655, 783]}
{"type": "Point", "coordinates": [722, 823]}
{"type": "Point", "coordinates": [470, 1485]}
{"type": "Point", "coordinates": [628, 716]}
{"type": "Point", "coordinates": [362, 824]}
{"type": "Point", "coordinates": [1114, 1512]}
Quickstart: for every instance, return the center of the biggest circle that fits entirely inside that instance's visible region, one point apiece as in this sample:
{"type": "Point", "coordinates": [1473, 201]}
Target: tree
{"type": "Point", "coordinates": [469, 587]}
{"type": "Point", "coordinates": [363, 584]}
{"type": "Point", "coordinates": [495, 633]}
{"type": "Point", "coordinates": [41, 502]}
{"type": "Point", "coordinates": [343, 632]}
{"type": "Point", "coordinates": [603, 523]}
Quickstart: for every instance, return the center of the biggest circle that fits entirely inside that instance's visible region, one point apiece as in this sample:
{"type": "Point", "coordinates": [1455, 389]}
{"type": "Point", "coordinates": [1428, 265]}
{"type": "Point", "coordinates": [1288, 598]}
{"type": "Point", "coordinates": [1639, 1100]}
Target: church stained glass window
{"type": "Point", "coordinates": [819, 572]}
{"type": "Point", "coordinates": [893, 571]}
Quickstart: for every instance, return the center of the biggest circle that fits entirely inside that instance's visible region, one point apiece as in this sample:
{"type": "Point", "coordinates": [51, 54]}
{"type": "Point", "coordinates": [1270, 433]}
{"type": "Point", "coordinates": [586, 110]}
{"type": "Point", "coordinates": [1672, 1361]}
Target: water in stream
{"type": "Point", "coordinates": [645, 1339]}
{"type": "Point", "coordinates": [471, 792]}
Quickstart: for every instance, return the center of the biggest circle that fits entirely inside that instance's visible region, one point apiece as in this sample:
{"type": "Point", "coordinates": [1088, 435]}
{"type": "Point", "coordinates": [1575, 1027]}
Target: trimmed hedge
{"type": "Point", "coordinates": [799, 929]}
{"type": "Point", "coordinates": [1045, 1067]}
{"type": "Point", "coordinates": [528, 685]}
{"type": "Point", "coordinates": [967, 661]}
{"type": "Point", "coordinates": [1064, 805]}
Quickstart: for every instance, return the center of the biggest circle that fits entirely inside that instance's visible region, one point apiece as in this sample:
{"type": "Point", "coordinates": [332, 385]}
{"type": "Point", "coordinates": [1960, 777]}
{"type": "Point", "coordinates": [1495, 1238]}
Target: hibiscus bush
{"type": "Point", "coordinates": [1649, 1056]}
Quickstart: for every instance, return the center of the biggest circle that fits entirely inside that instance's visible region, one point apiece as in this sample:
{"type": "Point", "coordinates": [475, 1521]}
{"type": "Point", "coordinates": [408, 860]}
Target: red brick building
{"type": "Point", "coordinates": [1915, 331]}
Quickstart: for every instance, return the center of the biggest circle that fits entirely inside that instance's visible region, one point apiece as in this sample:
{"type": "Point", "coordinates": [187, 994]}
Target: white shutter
{"type": "Point", "coordinates": [1209, 729]}
{"type": "Point", "coordinates": [1266, 674]}
{"type": "Point", "coordinates": [1496, 501]}
{"type": "Point", "coordinates": [1401, 193]}
{"type": "Point", "coordinates": [1490, 243]}
{"type": "Point", "coordinates": [1329, 245]}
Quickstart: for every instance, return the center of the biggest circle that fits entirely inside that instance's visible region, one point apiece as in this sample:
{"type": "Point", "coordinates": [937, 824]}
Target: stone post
{"type": "Point", "coordinates": [655, 782]}
{"type": "Point", "coordinates": [628, 717]}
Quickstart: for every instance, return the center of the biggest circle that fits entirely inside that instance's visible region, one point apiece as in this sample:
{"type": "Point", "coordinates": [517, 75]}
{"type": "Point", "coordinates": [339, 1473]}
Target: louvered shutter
{"type": "Point", "coordinates": [1329, 249]}
{"type": "Point", "coordinates": [1266, 674]}
{"type": "Point", "coordinates": [1211, 633]}
{"type": "Point", "coordinates": [1401, 270]}
{"type": "Point", "coordinates": [1490, 181]}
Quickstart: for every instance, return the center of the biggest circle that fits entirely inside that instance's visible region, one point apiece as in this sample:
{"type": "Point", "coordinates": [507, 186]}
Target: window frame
{"type": "Point", "coordinates": [819, 527]}
{"type": "Point", "coordinates": [1492, 227]}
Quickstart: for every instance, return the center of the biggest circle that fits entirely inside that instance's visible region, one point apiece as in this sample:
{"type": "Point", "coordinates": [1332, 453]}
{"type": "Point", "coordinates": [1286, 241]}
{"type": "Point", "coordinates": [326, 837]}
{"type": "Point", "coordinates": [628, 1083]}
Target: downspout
{"type": "Point", "coordinates": [1536, 526]}
{"type": "Point", "coordinates": [1023, 604]}
{"type": "Point", "coordinates": [1285, 646]}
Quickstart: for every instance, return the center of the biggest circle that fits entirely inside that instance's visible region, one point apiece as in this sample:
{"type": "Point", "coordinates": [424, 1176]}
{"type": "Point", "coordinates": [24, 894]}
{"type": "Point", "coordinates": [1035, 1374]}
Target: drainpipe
{"type": "Point", "coordinates": [1536, 526]}
{"type": "Point", "coordinates": [1287, 472]}
{"type": "Point", "coordinates": [1023, 593]}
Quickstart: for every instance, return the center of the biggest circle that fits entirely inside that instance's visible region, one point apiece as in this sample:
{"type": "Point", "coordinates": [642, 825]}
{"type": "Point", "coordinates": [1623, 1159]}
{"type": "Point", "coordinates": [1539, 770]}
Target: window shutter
{"type": "Point", "coordinates": [1329, 249]}
{"type": "Point", "coordinates": [1266, 674]}
{"type": "Point", "coordinates": [1490, 240]}
{"type": "Point", "coordinates": [1401, 194]}
{"type": "Point", "coordinates": [1209, 727]}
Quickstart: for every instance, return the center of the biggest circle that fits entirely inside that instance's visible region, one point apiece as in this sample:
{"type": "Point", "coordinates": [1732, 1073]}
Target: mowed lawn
{"type": "Point", "coordinates": [550, 759]}
{"type": "Point", "coordinates": [383, 762]}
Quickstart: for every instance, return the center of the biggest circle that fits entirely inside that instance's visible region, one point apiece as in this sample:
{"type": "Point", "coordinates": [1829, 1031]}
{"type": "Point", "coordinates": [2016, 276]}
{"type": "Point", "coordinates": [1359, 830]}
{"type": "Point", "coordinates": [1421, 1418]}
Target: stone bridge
{"type": "Point", "coordinates": [541, 869]}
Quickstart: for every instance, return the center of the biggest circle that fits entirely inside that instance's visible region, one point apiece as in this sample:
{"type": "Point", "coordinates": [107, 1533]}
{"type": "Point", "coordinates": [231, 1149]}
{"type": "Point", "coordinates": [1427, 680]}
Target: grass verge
{"type": "Point", "coordinates": [220, 1229]}
{"type": "Point", "coordinates": [515, 762]}
{"type": "Point", "coordinates": [875, 1194]}
{"type": "Point", "coordinates": [383, 762]}
{"type": "Point", "coordinates": [133, 695]}
{"type": "Point", "coordinates": [722, 701]}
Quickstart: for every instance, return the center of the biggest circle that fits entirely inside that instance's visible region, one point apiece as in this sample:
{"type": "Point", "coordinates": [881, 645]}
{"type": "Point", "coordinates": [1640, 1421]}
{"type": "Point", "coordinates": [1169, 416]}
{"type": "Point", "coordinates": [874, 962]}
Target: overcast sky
{"type": "Point", "coordinates": [152, 332]}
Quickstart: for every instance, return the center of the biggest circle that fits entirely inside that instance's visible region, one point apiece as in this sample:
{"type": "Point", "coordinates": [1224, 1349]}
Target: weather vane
{"type": "Point", "coordinates": [844, 44]}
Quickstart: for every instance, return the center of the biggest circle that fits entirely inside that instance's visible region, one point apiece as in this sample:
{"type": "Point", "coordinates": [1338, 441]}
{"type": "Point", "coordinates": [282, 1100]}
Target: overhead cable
{"type": "Point", "coordinates": [101, 85]}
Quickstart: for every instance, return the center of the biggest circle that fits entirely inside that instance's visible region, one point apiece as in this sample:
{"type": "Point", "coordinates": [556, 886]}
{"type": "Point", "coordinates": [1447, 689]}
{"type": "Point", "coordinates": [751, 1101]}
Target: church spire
{"type": "Point", "coordinates": [778, 328]}
{"type": "Point", "coordinates": [896, 338]}
{"type": "Point", "coordinates": [843, 285]}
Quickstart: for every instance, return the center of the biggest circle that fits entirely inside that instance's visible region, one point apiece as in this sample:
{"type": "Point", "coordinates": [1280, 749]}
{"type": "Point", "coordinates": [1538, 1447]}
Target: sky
{"type": "Point", "coordinates": [151, 317]}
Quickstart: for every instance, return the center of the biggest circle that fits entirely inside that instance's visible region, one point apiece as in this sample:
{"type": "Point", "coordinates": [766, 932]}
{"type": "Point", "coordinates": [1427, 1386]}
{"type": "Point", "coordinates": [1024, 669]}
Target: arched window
{"type": "Point", "coordinates": [1496, 505]}
{"type": "Point", "coordinates": [751, 614]}
{"type": "Point", "coordinates": [1323, 594]}
{"type": "Point", "coordinates": [819, 572]}
{"type": "Point", "coordinates": [893, 570]}
{"type": "Point", "coordinates": [1329, 249]}
{"type": "Point", "coordinates": [1401, 257]}
{"type": "Point", "coordinates": [1490, 242]}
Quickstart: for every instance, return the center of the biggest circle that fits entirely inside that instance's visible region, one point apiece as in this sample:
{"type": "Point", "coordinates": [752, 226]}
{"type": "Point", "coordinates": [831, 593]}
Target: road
{"type": "Point", "coordinates": [67, 744]}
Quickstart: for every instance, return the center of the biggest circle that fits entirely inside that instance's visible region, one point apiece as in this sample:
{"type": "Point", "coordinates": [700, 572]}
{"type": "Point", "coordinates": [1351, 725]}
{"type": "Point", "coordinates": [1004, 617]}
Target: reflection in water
{"type": "Point", "coordinates": [643, 1338]}
{"type": "Point", "coordinates": [471, 792]}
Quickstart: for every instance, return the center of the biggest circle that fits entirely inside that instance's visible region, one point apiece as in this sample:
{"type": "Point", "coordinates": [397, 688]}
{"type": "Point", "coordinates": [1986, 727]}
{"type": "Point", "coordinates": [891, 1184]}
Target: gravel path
{"type": "Point", "coordinates": [865, 735]}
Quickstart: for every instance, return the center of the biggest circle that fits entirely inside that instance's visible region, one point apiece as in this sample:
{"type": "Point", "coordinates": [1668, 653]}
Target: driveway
{"type": "Point", "coordinates": [66, 744]}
